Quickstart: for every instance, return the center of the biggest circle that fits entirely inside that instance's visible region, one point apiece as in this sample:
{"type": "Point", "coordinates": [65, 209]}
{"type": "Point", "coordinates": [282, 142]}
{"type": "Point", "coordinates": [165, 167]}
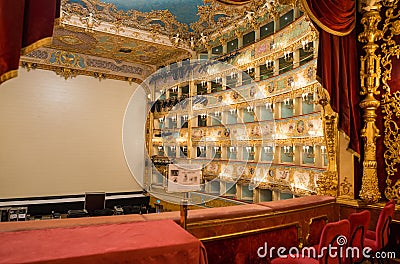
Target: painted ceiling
{"type": "Point", "coordinates": [147, 34]}
{"type": "Point", "coordinates": [185, 11]}
{"type": "Point", "coordinates": [114, 47]}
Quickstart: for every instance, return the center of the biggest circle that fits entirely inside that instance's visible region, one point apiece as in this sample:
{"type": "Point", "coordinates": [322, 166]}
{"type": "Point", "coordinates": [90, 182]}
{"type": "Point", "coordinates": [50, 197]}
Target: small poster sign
{"type": "Point", "coordinates": [184, 177]}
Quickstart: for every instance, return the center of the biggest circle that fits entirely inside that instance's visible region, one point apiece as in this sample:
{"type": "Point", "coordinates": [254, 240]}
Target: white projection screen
{"type": "Point", "coordinates": [64, 137]}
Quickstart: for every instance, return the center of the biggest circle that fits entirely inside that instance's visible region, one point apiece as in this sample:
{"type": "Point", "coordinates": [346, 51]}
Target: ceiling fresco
{"type": "Point", "coordinates": [185, 11]}
{"type": "Point", "coordinates": [121, 35]}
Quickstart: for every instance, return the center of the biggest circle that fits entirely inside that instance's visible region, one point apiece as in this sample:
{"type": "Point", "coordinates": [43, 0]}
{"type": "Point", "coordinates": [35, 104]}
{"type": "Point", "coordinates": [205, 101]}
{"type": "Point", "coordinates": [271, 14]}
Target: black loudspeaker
{"type": "Point", "coordinates": [95, 201]}
{"type": "Point", "coordinates": [4, 214]}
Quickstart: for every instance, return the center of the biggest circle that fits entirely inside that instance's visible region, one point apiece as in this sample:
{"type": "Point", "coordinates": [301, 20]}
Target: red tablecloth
{"type": "Point", "coordinates": [139, 242]}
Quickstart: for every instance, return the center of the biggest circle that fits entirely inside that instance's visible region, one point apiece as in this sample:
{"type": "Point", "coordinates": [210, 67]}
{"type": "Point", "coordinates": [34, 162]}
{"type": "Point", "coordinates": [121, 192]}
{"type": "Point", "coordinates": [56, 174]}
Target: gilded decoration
{"type": "Point", "coordinates": [215, 23]}
{"type": "Point", "coordinates": [391, 100]}
{"type": "Point", "coordinates": [119, 48]}
{"type": "Point", "coordinates": [249, 150]}
{"type": "Point", "coordinates": [370, 74]}
{"type": "Point", "coordinates": [328, 182]}
{"type": "Point", "coordinates": [100, 29]}
{"type": "Point", "coordinates": [346, 187]}
{"type": "Point", "coordinates": [93, 12]}
{"type": "Point", "coordinates": [70, 64]}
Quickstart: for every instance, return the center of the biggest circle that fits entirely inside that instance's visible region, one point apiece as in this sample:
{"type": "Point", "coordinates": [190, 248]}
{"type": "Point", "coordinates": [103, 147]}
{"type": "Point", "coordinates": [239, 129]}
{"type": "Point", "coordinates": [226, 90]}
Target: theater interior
{"type": "Point", "coordinates": [199, 131]}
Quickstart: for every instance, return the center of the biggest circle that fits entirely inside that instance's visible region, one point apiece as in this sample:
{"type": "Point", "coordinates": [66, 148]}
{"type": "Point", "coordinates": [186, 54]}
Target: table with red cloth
{"type": "Point", "coordinates": [139, 242]}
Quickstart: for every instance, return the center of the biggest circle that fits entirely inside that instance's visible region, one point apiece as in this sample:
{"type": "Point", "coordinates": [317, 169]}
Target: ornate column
{"type": "Point", "coordinates": [328, 182]}
{"type": "Point", "coordinates": [370, 74]}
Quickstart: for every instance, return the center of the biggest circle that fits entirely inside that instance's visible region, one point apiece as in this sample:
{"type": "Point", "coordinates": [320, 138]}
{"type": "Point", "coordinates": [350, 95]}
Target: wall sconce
{"type": "Point", "coordinates": [174, 89]}
{"type": "Point", "coordinates": [217, 150]}
{"type": "Point", "coordinates": [233, 111]}
{"type": "Point", "coordinates": [288, 56]}
{"type": "Point", "coordinates": [185, 117]}
{"type": "Point", "coordinates": [290, 82]}
{"type": "Point", "coordinates": [288, 150]}
{"type": "Point", "coordinates": [203, 116]}
{"type": "Point", "coordinates": [309, 151]}
{"type": "Point", "coordinates": [269, 64]}
{"type": "Point", "coordinates": [202, 149]}
{"type": "Point", "coordinates": [323, 150]}
{"type": "Point", "coordinates": [218, 79]}
{"type": "Point", "coordinates": [161, 120]}
{"type": "Point", "coordinates": [308, 98]}
{"type": "Point", "coordinates": [250, 150]}
{"type": "Point", "coordinates": [306, 47]}
{"type": "Point", "coordinates": [173, 119]}
{"type": "Point", "coordinates": [269, 106]}
{"type": "Point", "coordinates": [250, 70]}
{"type": "Point", "coordinates": [232, 149]}
{"type": "Point", "coordinates": [218, 113]}
{"type": "Point", "coordinates": [269, 149]}
{"type": "Point", "coordinates": [250, 109]}
{"type": "Point", "coordinates": [203, 83]}
{"type": "Point", "coordinates": [160, 148]}
{"type": "Point", "coordinates": [162, 91]}
{"type": "Point", "coordinates": [289, 103]}
{"type": "Point", "coordinates": [173, 149]}
{"type": "Point", "coordinates": [234, 75]}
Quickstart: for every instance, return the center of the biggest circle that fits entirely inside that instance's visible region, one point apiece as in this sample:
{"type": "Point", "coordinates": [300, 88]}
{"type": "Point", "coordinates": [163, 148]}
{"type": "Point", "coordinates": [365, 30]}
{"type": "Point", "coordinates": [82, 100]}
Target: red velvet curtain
{"type": "Point", "coordinates": [338, 61]}
{"type": "Point", "coordinates": [24, 25]}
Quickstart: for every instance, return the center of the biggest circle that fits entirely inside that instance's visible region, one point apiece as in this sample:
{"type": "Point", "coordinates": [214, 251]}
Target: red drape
{"type": "Point", "coordinates": [338, 61]}
{"type": "Point", "coordinates": [24, 25]}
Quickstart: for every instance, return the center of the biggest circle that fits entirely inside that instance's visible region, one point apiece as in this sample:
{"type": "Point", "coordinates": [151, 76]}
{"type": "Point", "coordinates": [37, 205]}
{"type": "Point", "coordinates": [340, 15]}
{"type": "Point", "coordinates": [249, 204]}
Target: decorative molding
{"type": "Point", "coordinates": [69, 65]}
{"type": "Point", "coordinates": [94, 13]}
{"type": "Point", "coordinates": [219, 22]}
{"type": "Point", "coordinates": [391, 100]}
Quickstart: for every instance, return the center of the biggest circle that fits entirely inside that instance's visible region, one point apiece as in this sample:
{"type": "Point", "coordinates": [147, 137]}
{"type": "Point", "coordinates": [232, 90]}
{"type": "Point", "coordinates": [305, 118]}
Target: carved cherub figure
{"type": "Point", "coordinates": [269, 4]}
{"type": "Point", "coordinates": [90, 22]}
{"type": "Point", "coordinates": [176, 39]}
{"type": "Point", "coordinates": [370, 5]}
{"type": "Point", "coordinates": [250, 16]}
{"type": "Point", "coordinates": [203, 39]}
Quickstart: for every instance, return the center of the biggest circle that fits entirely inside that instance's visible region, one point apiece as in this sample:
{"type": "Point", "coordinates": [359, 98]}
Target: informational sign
{"type": "Point", "coordinates": [184, 177]}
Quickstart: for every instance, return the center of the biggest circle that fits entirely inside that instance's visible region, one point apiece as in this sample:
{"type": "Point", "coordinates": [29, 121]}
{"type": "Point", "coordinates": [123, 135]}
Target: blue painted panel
{"type": "Point", "coordinates": [286, 112]}
{"type": "Point", "coordinates": [185, 11]}
{"type": "Point", "coordinates": [246, 192]}
{"type": "Point", "coordinates": [265, 195]}
{"type": "Point", "coordinates": [307, 108]}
